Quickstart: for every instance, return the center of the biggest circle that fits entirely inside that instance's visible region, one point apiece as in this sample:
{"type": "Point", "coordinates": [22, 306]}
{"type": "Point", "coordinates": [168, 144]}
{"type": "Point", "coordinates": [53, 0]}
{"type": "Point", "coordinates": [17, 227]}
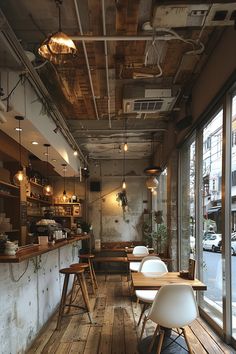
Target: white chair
{"type": "Point", "coordinates": [138, 250]}
{"type": "Point", "coordinates": [174, 307]}
{"type": "Point", "coordinates": [149, 264]}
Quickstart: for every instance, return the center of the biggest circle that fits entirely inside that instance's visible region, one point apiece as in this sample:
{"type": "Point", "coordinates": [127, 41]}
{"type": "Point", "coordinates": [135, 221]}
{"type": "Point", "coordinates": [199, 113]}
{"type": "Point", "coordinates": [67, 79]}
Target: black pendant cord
{"type": "Point", "coordinates": [58, 4]}
{"type": "Point", "coordinates": [19, 134]}
{"type": "Point", "coordinates": [124, 167]}
{"type": "Point", "coordinates": [47, 166]}
{"type": "Point", "coordinates": [74, 184]}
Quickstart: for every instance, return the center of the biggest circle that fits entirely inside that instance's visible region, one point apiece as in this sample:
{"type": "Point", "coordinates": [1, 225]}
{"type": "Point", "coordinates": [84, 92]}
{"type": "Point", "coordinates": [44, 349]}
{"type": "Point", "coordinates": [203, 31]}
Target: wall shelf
{"type": "Point", "coordinates": [8, 184]}
{"type": "Point", "coordinates": [36, 184]}
{"type": "Point", "coordinates": [6, 195]}
{"type": "Point", "coordinates": [39, 200]}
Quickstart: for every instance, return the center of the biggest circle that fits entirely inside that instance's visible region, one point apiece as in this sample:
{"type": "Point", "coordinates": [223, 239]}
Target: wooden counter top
{"type": "Point", "coordinates": [37, 250]}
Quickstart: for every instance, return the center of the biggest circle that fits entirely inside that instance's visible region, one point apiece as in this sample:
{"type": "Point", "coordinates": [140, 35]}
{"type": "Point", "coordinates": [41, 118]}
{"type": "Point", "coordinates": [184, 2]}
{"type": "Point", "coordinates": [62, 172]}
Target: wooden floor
{"type": "Point", "coordinates": [114, 329]}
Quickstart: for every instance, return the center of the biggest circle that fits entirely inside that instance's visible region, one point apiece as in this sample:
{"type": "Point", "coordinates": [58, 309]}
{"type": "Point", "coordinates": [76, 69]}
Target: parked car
{"type": "Point", "coordinates": [233, 243]}
{"type": "Point", "coordinates": [212, 243]}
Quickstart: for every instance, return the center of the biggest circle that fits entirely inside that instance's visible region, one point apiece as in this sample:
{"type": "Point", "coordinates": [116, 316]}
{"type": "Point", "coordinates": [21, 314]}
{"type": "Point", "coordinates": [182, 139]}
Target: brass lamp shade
{"type": "Point", "coordinates": [57, 48]}
{"type": "Point", "coordinates": [152, 183]}
{"type": "Point", "coordinates": [153, 170]}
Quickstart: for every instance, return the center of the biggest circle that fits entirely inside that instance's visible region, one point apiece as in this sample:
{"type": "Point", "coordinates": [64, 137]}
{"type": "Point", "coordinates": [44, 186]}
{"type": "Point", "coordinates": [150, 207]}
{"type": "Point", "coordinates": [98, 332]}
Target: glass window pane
{"type": "Point", "coordinates": [233, 216]}
{"type": "Point", "coordinates": [187, 209]}
{"type": "Point", "coordinates": [211, 213]}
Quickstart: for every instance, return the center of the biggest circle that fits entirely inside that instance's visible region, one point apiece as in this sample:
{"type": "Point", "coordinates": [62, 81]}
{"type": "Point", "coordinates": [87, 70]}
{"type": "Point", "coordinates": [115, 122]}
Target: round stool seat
{"type": "Point", "coordinates": [71, 270]}
{"type": "Point", "coordinates": [79, 265]}
{"type": "Point", "coordinates": [86, 256]}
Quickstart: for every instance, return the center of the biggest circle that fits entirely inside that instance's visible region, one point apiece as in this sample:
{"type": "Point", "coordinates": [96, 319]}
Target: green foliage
{"type": "Point", "coordinates": [85, 227]}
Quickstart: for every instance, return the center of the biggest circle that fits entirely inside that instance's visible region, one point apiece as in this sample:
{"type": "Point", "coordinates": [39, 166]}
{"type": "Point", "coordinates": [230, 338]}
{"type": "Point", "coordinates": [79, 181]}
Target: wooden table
{"type": "Point", "coordinates": [138, 258]}
{"type": "Point", "coordinates": [153, 281]}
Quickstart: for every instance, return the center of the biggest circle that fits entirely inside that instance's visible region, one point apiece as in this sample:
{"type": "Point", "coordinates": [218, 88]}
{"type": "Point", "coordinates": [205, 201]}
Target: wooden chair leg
{"type": "Point", "coordinates": [153, 339]}
{"type": "Point", "coordinates": [160, 342]}
{"type": "Point", "coordinates": [142, 312]}
{"type": "Point", "coordinates": [63, 301]}
{"type": "Point", "coordinates": [143, 326]}
{"type": "Point", "coordinates": [187, 341]}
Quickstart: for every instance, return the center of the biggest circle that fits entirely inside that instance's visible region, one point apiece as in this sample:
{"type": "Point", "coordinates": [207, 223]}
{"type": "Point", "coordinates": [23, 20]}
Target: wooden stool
{"type": "Point", "coordinates": [80, 266]}
{"type": "Point", "coordinates": [79, 274]}
{"type": "Point", "coordinates": [89, 258]}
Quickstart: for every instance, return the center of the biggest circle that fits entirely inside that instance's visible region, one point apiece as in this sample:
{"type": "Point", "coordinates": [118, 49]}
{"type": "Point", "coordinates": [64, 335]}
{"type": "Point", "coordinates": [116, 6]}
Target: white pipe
{"type": "Point", "coordinates": [86, 58]}
{"type": "Point", "coordinates": [106, 61]}
{"type": "Point", "coordinates": [121, 38]}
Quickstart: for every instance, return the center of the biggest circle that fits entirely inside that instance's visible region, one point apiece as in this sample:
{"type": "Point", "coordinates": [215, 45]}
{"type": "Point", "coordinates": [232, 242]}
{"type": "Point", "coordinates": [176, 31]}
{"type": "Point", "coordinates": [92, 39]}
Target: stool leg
{"type": "Point", "coordinates": [91, 275]}
{"type": "Point", "coordinates": [71, 295]}
{"type": "Point", "coordinates": [83, 286]}
{"type": "Point", "coordinates": [94, 275]}
{"type": "Point", "coordinates": [63, 301]}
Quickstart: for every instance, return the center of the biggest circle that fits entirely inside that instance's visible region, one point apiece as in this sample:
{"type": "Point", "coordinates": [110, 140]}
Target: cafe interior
{"type": "Point", "coordinates": [117, 176]}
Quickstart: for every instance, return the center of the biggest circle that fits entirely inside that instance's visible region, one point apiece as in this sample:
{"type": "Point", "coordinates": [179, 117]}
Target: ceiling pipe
{"type": "Point", "coordinates": [88, 38]}
{"type": "Point", "coordinates": [86, 59]}
{"type": "Point", "coordinates": [106, 61]}
{"type": "Point", "coordinates": [140, 130]}
{"type": "Point", "coordinates": [13, 44]}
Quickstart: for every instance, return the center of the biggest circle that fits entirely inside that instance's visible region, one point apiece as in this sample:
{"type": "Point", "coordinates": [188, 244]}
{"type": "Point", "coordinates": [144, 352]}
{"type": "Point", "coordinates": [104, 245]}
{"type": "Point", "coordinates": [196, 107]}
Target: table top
{"type": "Point", "coordinates": [130, 249]}
{"type": "Point", "coordinates": [154, 281]}
{"type": "Point", "coordinates": [138, 257]}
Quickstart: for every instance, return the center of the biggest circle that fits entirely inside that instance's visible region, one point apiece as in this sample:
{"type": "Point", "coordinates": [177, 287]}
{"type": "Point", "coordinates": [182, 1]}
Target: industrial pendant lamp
{"type": "Point", "coordinates": [58, 47]}
{"type": "Point", "coordinates": [47, 189]}
{"type": "Point", "coordinates": [152, 170]}
{"type": "Point", "coordinates": [125, 144]}
{"type": "Point", "coordinates": [19, 176]}
{"type": "Point", "coordinates": [64, 195]}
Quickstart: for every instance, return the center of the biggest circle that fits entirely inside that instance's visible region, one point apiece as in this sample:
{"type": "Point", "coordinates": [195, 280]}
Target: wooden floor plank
{"type": "Point", "coordinates": [118, 334]}
{"type": "Point", "coordinates": [114, 329]}
{"type": "Point", "coordinates": [105, 346]}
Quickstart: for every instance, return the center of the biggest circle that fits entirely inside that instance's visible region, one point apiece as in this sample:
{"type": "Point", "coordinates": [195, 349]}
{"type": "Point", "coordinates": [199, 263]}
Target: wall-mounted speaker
{"type": "Point", "coordinates": [95, 186]}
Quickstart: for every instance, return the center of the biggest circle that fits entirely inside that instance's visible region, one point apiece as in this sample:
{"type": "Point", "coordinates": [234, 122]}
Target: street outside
{"type": "Point", "coordinates": [212, 276]}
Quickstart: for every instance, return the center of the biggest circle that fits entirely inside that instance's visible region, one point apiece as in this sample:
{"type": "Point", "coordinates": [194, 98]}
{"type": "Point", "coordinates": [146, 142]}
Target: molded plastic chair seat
{"type": "Point", "coordinates": [134, 266]}
{"type": "Point", "coordinates": [146, 295]}
{"type": "Point", "coordinates": [149, 264]}
{"type": "Point", "coordinates": [174, 307]}
{"type": "Point", "coordinates": [138, 250]}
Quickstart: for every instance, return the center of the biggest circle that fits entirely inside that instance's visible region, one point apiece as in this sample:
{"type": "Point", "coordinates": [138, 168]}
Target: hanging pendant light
{"type": "Point", "coordinates": [20, 175]}
{"type": "Point", "coordinates": [125, 144]}
{"type": "Point", "coordinates": [58, 47]}
{"type": "Point", "coordinates": [47, 189]}
{"type": "Point", "coordinates": [74, 196]}
{"type": "Point", "coordinates": [123, 181]}
{"type": "Point", "coordinates": [152, 183]}
{"type": "Point", "coordinates": [152, 170]}
{"type": "Point", "coordinates": [64, 195]}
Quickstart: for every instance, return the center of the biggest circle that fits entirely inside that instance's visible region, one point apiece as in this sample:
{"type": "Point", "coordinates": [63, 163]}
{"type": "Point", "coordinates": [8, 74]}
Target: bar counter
{"type": "Point", "coordinates": [37, 250]}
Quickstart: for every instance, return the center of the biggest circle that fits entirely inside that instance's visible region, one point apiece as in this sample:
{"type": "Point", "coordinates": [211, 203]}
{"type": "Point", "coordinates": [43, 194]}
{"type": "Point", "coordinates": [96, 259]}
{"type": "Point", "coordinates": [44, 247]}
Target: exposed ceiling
{"type": "Point", "coordinates": [157, 67]}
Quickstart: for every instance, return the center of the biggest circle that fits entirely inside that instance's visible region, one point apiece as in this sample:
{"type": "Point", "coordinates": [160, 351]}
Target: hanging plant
{"type": "Point", "coordinates": [122, 199]}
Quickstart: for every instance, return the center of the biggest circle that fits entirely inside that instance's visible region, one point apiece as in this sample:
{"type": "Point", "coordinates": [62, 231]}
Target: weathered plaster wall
{"type": "Point", "coordinates": [26, 305]}
{"type": "Point", "coordinates": [105, 213]}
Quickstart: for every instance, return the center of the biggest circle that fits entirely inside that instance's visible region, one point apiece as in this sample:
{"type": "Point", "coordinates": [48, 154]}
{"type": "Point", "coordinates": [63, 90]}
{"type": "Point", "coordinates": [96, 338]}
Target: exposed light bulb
{"type": "Point", "coordinates": [47, 190]}
{"type": "Point", "coordinates": [154, 192]}
{"type": "Point", "coordinates": [20, 175]}
{"type": "Point", "coordinates": [75, 153]}
{"type": "Point", "coordinates": [125, 146]}
{"type": "Point", "coordinates": [64, 197]}
{"type": "Point", "coordinates": [124, 184]}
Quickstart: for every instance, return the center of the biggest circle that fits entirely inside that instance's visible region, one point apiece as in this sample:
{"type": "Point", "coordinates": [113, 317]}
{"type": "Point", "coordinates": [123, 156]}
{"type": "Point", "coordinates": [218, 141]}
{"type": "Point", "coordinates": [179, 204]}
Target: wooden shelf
{"type": "Point", "coordinates": [14, 230]}
{"type": "Point", "coordinates": [36, 184]}
{"type": "Point", "coordinates": [62, 216]}
{"type": "Point", "coordinates": [5, 195]}
{"type": "Point", "coordinates": [39, 200]}
{"type": "Point", "coordinates": [67, 203]}
{"type": "Point", "coordinates": [8, 184]}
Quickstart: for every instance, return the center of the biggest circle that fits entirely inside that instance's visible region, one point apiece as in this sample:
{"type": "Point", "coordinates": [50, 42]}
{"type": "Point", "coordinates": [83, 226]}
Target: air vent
{"type": "Point", "coordinates": [147, 105]}
{"type": "Point", "coordinates": [139, 99]}
{"type": "Point", "coordinates": [222, 14]}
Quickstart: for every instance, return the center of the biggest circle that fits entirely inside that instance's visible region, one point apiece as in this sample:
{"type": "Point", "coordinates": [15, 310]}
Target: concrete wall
{"type": "Point", "coordinates": [106, 215]}
{"type": "Point", "coordinates": [26, 304]}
